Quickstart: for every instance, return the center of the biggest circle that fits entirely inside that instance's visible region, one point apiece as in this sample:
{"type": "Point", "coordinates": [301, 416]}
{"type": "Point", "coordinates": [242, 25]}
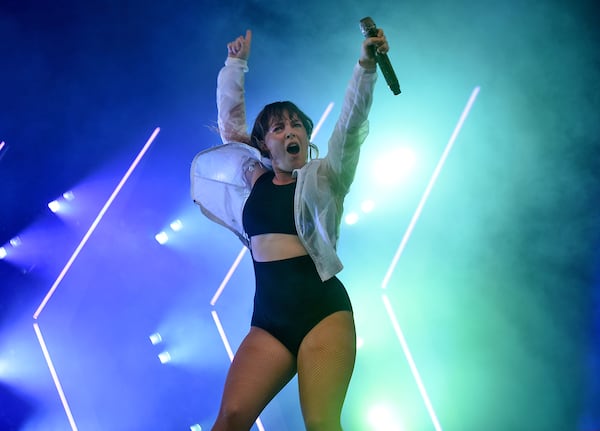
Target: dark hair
{"type": "Point", "coordinates": [276, 110]}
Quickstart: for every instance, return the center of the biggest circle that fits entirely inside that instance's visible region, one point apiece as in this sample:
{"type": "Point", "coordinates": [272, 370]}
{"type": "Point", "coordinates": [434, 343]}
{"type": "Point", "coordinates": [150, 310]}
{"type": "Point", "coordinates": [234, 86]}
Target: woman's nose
{"type": "Point", "coordinates": [290, 135]}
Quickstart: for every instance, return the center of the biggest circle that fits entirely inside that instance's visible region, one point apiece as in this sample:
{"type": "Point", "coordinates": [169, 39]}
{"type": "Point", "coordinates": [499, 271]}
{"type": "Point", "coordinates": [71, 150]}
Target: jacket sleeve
{"type": "Point", "coordinates": [351, 129]}
{"type": "Point", "coordinates": [231, 105]}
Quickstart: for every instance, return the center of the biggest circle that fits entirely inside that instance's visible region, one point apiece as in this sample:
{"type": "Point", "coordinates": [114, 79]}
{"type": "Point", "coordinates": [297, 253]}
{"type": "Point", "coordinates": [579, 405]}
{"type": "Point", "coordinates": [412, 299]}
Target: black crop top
{"type": "Point", "coordinates": [269, 208]}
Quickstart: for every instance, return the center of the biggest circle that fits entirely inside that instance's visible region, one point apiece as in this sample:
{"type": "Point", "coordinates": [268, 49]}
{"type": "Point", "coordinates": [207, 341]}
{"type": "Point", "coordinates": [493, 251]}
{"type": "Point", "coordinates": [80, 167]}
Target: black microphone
{"type": "Point", "coordinates": [369, 29]}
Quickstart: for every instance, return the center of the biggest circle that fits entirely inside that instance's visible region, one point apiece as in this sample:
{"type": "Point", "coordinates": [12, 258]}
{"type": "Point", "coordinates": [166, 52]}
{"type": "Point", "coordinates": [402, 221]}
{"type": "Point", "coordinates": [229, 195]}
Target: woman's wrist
{"type": "Point", "coordinates": [367, 63]}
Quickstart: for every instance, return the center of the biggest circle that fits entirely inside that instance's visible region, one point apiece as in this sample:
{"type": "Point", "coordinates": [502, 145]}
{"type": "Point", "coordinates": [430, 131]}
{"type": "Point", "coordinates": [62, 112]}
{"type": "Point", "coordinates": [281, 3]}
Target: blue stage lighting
{"type": "Point", "coordinates": [54, 206]}
{"type": "Point", "coordinates": [161, 238]}
{"type": "Point", "coordinates": [164, 357]}
{"type": "Point", "coordinates": [176, 225]}
{"type": "Point", "coordinates": [68, 196]}
{"type": "Point", "coordinates": [3, 253]}
{"type": "Point", "coordinates": [155, 338]}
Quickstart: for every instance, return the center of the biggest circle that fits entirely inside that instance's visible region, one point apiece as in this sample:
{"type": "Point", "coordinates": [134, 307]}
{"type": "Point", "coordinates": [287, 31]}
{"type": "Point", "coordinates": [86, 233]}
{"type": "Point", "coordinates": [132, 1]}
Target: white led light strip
{"type": "Point", "coordinates": [411, 363]}
{"type": "Point", "coordinates": [95, 223]}
{"type": "Point", "coordinates": [68, 265]}
{"type": "Point", "coordinates": [61, 394]}
{"type": "Point", "coordinates": [432, 181]}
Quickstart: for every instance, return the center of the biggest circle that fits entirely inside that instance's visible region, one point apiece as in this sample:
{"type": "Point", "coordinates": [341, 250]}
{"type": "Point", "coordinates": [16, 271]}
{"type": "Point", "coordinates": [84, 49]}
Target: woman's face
{"type": "Point", "coordinates": [286, 142]}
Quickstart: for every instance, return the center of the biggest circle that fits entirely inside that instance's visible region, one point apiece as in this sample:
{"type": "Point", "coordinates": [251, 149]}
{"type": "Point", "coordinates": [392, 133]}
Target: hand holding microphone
{"type": "Point", "coordinates": [378, 52]}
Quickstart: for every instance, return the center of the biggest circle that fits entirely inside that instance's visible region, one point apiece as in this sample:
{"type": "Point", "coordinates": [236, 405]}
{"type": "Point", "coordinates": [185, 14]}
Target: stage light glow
{"type": "Point", "coordinates": [54, 206]}
{"type": "Point", "coordinates": [383, 418]}
{"type": "Point", "coordinates": [164, 357]}
{"type": "Point", "coordinates": [360, 342]}
{"type": "Point", "coordinates": [196, 428]}
{"type": "Point", "coordinates": [395, 166]}
{"type": "Point", "coordinates": [155, 338]}
{"type": "Point", "coordinates": [16, 241]}
{"type": "Point", "coordinates": [176, 225]}
{"type": "Point", "coordinates": [68, 196]}
{"type": "Point", "coordinates": [367, 206]}
{"type": "Point", "coordinates": [351, 218]}
{"type": "Point", "coordinates": [162, 238]}
{"type": "Point", "coordinates": [3, 253]}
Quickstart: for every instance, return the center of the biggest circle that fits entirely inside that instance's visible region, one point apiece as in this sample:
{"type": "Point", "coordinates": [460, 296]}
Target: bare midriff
{"type": "Point", "coordinates": [276, 246]}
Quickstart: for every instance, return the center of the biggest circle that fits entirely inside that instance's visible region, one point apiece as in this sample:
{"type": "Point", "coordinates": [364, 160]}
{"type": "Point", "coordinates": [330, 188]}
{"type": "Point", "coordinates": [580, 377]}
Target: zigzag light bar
{"type": "Point", "coordinates": [405, 238]}
{"type": "Point", "coordinates": [68, 265]}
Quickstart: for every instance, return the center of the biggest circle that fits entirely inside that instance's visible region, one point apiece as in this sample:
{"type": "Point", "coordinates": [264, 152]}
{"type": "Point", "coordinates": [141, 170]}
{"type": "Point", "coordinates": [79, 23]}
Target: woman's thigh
{"type": "Point", "coordinates": [262, 366]}
{"type": "Point", "coordinates": [325, 365]}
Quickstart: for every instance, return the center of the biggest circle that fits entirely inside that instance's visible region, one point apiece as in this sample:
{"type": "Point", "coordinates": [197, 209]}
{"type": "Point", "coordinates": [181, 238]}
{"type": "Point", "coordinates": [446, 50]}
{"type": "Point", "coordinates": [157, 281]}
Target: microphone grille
{"type": "Point", "coordinates": [368, 27]}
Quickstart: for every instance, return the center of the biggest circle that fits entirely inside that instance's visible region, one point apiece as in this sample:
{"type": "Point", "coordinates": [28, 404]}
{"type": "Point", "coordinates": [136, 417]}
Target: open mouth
{"type": "Point", "coordinates": [293, 148]}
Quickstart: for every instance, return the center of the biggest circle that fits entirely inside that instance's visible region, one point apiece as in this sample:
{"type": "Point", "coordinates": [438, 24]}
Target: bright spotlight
{"type": "Point", "coordinates": [54, 206]}
{"type": "Point", "coordinates": [351, 218]}
{"type": "Point", "coordinates": [196, 427]}
{"type": "Point", "coordinates": [16, 241]}
{"type": "Point", "coordinates": [176, 225]}
{"type": "Point", "coordinates": [3, 253]}
{"type": "Point", "coordinates": [155, 338]}
{"type": "Point", "coordinates": [161, 238]}
{"type": "Point", "coordinates": [382, 418]}
{"type": "Point", "coordinates": [395, 166]}
{"type": "Point", "coordinates": [69, 196]}
{"type": "Point", "coordinates": [360, 342]}
{"type": "Point", "coordinates": [367, 206]}
{"type": "Point", "coordinates": [164, 357]}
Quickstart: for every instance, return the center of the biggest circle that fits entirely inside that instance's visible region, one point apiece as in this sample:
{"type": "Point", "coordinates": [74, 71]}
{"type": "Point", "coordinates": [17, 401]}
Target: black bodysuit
{"type": "Point", "coordinates": [290, 298]}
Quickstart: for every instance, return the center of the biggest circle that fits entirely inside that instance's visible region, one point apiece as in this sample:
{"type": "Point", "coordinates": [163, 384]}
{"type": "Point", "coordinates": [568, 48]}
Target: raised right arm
{"type": "Point", "coordinates": [231, 103]}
